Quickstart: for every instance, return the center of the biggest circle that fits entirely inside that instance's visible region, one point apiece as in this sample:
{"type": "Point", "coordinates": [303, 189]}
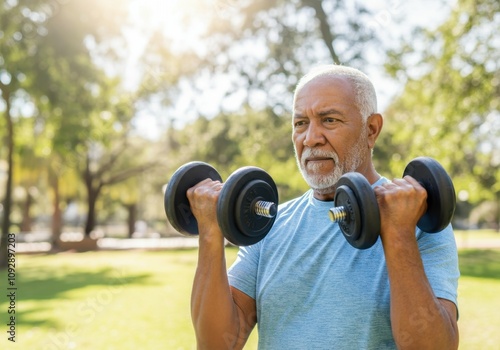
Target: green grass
{"type": "Point", "coordinates": [103, 300]}
{"type": "Point", "coordinates": [479, 299]}
{"type": "Point", "coordinates": [139, 299]}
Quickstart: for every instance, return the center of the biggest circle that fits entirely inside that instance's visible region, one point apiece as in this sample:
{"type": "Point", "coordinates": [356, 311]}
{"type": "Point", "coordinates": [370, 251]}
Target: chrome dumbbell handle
{"type": "Point", "coordinates": [265, 209]}
{"type": "Point", "coordinates": [337, 214]}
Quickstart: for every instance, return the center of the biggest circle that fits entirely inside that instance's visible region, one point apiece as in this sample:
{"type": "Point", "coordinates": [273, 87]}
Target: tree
{"type": "Point", "coordinates": [449, 107]}
{"type": "Point", "coordinates": [17, 43]}
{"type": "Point", "coordinates": [42, 40]}
{"type": "Point", "coordinates": [80, 96]}
{"type": "Point", "coordinates": [110, 155]}
{"type": "Point", "coordinates": [28, 160]}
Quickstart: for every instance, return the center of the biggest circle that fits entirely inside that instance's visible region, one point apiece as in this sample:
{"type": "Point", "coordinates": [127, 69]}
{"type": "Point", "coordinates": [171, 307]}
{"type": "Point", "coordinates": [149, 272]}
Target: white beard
{"type": "Point", "coordinates": [325, 184]}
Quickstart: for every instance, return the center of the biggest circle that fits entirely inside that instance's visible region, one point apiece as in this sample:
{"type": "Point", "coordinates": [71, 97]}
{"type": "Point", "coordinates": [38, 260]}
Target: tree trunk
{"type": "Point", "coordinates": [324, 27]}
{"type": "Point", "coordinates": [132, 216]}
{"type": "Point", "coordinates": [92, 194]}
{"type": "Point", "coordinates": [90, 222]}
{"type": "Point", "coordinates": [498, 213]}
{"type": "Point", "coordinates": [57, 222]}
{"type": "Point", "coordinates": [27, 220]}
{"type": "Point", "coordinates": [7, 203]}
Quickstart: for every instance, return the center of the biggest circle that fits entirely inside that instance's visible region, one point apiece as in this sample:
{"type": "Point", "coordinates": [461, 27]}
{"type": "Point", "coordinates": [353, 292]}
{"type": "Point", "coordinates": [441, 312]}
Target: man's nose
{"type": "Point", "coordinates": [314, 136]}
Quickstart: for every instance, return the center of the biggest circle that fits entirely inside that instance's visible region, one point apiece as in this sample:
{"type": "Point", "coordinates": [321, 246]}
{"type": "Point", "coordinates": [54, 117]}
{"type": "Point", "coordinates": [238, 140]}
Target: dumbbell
{"type": "Point", "coordinates": [246, 208]}
{"type": "Point", "coordinates": [357, 212]}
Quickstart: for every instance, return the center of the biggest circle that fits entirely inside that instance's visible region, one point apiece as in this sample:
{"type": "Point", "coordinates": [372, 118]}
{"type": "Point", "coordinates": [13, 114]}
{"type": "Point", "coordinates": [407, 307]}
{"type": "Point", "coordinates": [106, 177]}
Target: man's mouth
{"type": "Point", "coordinates": [317, 163]}
{"type": "Point", "coordinates": [317, 159]}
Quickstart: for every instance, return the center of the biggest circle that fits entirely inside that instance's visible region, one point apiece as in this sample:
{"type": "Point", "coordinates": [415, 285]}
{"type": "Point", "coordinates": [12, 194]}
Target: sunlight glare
{"type": "Point", "coordinates": [181, 22]}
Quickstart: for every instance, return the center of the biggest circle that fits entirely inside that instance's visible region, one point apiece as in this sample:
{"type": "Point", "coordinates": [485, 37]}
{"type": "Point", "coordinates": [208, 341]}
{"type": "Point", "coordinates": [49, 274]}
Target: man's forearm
{"type": "Point", "coordinates": [419, 319]}
{"type": "Point", "coordinates": [214, 314]}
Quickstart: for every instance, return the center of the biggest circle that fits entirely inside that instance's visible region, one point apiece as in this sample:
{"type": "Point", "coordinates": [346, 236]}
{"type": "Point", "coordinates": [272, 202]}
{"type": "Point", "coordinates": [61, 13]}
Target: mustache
{"type": "Point", "coordinates": [314, 152]}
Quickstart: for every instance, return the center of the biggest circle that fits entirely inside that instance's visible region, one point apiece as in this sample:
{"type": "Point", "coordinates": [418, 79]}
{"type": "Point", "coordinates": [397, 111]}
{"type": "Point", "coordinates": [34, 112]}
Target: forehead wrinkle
{"type": "Point", "coordinates": [319, 111]}
{"type": "Point", "coordinates": [328, 111]}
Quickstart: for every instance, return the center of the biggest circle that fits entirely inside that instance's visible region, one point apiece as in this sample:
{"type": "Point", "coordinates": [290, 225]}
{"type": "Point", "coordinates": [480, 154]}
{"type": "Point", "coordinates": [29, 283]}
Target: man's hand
{"type": "Point", "coordinates": [203, 202]}
{"type": "Point", "coordinates": [402, 203]}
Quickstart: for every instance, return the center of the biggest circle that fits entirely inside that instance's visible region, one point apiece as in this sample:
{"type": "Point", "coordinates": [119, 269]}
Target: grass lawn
{"type": "Point", "coordinates": [479, 299]}
{"type": "Point", "coordinates": [103, 300]}
{"type": "Point", "coordinates": [140, 300]}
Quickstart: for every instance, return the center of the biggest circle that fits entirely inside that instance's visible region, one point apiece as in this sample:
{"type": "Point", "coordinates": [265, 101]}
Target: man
{"type": "Point", "coordinates": [303, 284]}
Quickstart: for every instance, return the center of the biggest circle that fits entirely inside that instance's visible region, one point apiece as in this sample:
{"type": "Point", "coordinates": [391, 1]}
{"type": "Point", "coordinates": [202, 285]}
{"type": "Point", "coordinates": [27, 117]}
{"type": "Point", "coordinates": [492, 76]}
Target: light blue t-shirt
{"type": "Point", "coordinates": [315, 291]}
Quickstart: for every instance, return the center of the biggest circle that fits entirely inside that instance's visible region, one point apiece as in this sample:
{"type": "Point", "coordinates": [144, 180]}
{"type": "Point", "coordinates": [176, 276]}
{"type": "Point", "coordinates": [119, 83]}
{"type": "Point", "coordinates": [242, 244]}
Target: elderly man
{"type": "Point", "coordinates": [303, 284]}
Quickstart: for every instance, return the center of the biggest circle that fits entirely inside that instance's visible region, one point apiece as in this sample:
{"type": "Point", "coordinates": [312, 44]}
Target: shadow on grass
{"type": "Point", "coordinates": [47, 288]}
{"type": "Point", "coordinates": [480, 263]}
{"type": "Point", "coordinates": [41, 284]}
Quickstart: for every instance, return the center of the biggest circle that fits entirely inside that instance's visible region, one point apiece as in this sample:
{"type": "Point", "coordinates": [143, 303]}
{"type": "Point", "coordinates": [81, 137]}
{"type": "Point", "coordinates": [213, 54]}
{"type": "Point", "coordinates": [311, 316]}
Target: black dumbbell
{"type": "Point", "coordinates": [357, 210]}
{"type": "Point", "coordinates": [246, 208]}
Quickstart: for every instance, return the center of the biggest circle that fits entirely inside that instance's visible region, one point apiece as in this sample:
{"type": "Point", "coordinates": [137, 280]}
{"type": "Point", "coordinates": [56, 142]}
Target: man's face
{"type": "Point", "coordinates": [329, 135]}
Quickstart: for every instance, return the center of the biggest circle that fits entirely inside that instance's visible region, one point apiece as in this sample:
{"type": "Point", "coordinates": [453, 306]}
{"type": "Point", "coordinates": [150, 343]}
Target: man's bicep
{"type": "Point", "coordinates": [247, 314]}
{"type": "Point", "coordinates": [451, 308]}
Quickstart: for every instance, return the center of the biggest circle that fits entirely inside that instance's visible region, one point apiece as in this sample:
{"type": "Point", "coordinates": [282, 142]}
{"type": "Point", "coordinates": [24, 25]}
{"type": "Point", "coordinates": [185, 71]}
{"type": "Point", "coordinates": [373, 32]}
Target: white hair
{"type": "Point", "coordinates": [366, 98]}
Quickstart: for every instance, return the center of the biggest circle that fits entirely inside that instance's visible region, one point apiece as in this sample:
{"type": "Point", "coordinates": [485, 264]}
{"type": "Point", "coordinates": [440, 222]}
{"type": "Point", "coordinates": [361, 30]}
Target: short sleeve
{"type": "Point", "coordinates": [243, 273]}
{"type": "Point", "coordinates": [440, 259]}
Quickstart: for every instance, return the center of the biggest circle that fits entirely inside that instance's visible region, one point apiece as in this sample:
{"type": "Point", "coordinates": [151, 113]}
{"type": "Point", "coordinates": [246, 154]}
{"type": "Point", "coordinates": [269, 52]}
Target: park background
{"type": "Point", "coordinates": [101, 101]}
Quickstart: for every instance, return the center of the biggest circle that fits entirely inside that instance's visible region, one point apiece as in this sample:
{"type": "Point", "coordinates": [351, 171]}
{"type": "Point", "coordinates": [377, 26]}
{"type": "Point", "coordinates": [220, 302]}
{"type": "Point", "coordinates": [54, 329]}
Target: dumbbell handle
{"type": "Point", "coordinates": [337, 214]}
{"type": "Point", "coordinates": [265, 209]}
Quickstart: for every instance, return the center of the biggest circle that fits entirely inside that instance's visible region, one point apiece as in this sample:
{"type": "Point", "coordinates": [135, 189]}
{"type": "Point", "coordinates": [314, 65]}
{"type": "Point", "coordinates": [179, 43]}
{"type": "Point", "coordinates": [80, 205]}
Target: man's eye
{"type": "Point", "coordinates": [330, 120]}
{"type": "Point", "coordinates": [299, 123]}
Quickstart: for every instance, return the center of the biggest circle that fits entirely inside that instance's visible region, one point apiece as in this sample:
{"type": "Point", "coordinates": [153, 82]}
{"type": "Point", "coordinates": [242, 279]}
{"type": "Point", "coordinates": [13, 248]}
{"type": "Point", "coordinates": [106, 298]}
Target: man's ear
{"type": "Point", "coordinates": [374, 125]}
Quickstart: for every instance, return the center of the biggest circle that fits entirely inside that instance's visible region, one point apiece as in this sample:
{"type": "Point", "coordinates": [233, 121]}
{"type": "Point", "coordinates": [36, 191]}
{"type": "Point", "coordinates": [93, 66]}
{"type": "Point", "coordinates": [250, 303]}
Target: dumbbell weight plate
{"type": "Point", "coordinates": [237, 220]}
{"type": "Point", "coordinates": [441, 198]}
{"type": "Point", "coordinates": [361, 228]}
{"type": "Point", "coordinates": [176, 202]}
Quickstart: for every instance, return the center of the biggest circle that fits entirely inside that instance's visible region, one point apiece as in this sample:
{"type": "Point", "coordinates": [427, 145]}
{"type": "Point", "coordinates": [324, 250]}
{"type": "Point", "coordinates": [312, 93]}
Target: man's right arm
{"type": "Point", "coordinates": [223, 317]}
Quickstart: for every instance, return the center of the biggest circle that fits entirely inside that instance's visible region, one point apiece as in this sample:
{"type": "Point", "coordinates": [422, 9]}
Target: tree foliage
{"type": "Point", "coordinates": [260, 48]}
{"type": "Point", "coordinates": [450, 103]}
{"type": "Point", "coordinates": [46, 61]}
{"type": "Point", "coordinates": [449, 108]}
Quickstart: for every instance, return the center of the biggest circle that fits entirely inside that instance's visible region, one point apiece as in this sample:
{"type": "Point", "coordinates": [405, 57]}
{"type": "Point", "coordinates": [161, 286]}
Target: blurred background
{"type": "Point", "coordinates": [101, 101]}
